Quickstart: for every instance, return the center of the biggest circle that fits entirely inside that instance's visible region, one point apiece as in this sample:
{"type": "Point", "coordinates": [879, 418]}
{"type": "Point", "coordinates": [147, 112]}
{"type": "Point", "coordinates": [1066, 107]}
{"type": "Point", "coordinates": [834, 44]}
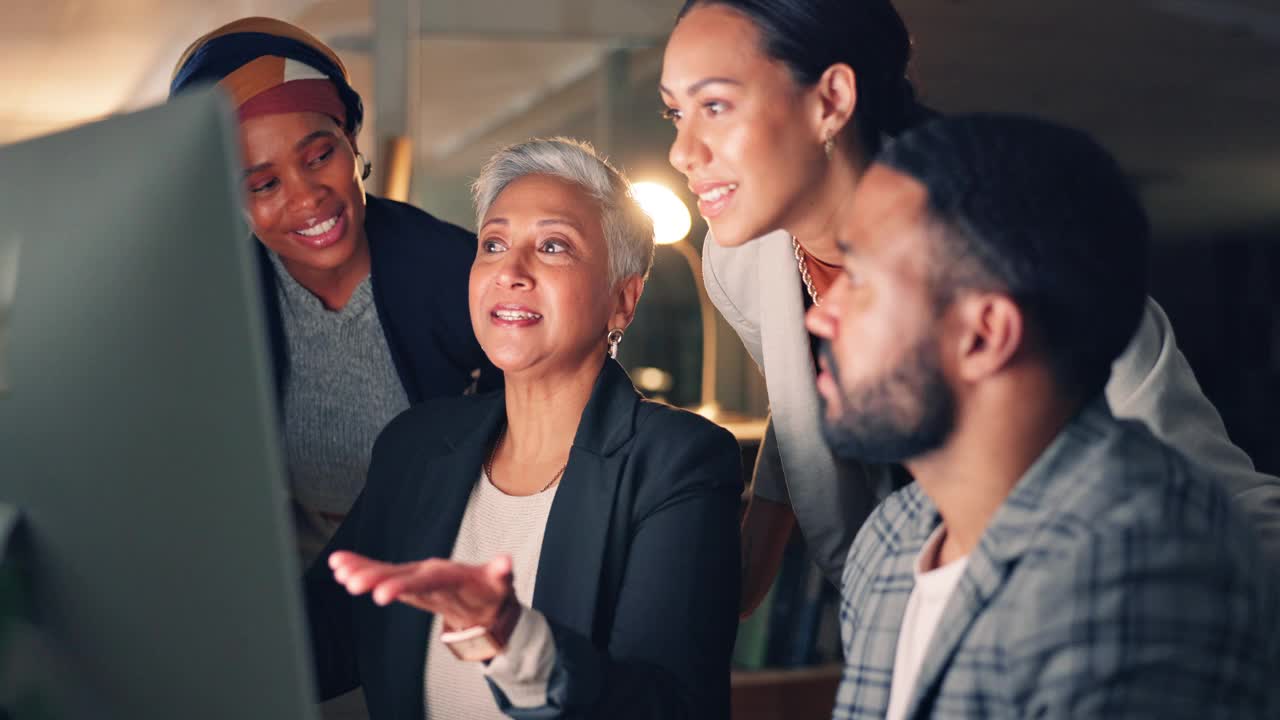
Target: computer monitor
{"type": "Point", "coordinates": [138, 430]}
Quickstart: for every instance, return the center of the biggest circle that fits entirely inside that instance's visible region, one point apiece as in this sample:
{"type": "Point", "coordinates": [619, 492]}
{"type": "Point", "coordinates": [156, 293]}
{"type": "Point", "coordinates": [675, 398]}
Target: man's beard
{"type": "Point", "coordinates": [904, 414]}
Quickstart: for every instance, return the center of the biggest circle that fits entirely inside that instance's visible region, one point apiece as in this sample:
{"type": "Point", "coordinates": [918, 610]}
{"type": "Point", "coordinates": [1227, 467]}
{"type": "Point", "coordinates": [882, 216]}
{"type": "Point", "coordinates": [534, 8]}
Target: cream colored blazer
{"type": "Point", "coordinates": [756, 287]}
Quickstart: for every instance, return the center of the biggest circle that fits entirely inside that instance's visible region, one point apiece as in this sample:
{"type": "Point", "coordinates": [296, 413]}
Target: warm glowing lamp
{"type": "Point", "coordinates": [671, 225]}
{"type": "Point", "coordinates": [671, 219]}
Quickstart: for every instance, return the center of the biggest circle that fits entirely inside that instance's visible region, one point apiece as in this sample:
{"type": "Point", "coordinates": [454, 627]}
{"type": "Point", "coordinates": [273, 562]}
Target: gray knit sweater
{"type": "Point", "coordinates": [342, 389]}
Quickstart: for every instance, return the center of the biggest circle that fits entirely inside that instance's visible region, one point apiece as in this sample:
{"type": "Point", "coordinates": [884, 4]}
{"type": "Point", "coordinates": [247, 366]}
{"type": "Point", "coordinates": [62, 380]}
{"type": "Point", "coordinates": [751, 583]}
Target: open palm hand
{"type": "Point", "coordinates": [462, 595]}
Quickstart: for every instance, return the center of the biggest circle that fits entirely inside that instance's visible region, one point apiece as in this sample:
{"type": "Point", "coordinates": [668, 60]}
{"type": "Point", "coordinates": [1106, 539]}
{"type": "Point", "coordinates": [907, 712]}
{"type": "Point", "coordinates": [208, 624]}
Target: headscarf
{"type": "Point", "coordinates": [269, 66]}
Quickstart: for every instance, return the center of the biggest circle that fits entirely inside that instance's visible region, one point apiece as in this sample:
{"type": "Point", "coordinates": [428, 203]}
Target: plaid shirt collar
{"type": "Point", "coordinates": [1014, 527]}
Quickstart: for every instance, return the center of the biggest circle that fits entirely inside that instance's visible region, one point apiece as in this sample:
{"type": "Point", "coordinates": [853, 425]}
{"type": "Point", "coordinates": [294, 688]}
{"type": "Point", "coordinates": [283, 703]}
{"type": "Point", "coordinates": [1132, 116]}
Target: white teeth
{"type": "Point", "coordinates": [716, 194]}
{"type": "Point", "coordinates": [319, 228]}
{"type": "Point", "coordinates": [515, 315]}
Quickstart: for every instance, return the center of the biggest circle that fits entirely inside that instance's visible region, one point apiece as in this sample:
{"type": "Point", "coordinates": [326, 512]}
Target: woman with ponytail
{"type": "Point", "coordinates": [779, 106]}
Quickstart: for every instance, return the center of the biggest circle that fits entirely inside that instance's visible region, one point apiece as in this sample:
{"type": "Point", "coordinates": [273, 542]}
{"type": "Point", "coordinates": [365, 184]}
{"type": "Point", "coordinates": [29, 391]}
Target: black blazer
{"type": "Point", "coordinates": [419, 269]}
{"type": "Point", "coordinates": [638, 576]}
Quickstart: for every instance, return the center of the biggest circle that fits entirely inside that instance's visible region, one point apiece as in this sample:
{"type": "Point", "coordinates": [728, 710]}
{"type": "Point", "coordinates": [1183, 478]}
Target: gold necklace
{"type": "Point", "coordinates": [804, 271]}
{"type": "Point", "coordinates": [488, 463]}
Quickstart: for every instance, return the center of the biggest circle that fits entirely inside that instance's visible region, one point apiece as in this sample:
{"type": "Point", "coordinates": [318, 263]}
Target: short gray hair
{"type": "Point", "coordinates": [628, 230]}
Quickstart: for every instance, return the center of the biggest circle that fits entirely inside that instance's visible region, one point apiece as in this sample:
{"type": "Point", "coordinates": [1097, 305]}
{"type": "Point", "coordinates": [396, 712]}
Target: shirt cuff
{"type": "Point", "coordinates": [523, 669]}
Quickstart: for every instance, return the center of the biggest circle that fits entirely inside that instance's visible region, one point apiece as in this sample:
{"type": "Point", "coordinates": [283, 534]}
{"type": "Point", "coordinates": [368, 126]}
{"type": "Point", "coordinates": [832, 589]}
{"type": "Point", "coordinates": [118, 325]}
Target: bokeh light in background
{"type": "Point", "coordinates": [671, 219]}
{"type": "Point", "coordinates": [652, 380]}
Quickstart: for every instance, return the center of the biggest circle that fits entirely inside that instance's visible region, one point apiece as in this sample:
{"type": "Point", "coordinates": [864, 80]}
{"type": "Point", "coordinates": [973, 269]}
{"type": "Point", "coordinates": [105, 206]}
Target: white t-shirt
{"type": "Point", "coordinates": [495, 523]}
{"type": "Point", "coordinates": [924, 608]}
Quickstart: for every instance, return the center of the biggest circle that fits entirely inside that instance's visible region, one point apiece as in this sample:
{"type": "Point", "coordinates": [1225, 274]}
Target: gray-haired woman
{"type": "Point", "coordinates": [562, 548]}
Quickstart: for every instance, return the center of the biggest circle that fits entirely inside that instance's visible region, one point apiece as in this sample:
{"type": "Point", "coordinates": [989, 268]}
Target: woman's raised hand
{"type": "Point", "coordinates": [462, 595]}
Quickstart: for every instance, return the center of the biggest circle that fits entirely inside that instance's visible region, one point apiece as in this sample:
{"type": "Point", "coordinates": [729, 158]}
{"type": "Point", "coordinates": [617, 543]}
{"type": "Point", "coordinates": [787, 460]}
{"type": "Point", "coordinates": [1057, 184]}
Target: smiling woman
{"type": "Point", "coordinates": [365, 299]}
{"type": "Point", "coordinates": [305, 202]}
{"type": "Point", "coordinates": [578, 539]}
{"type": "Point", "coordinates": [540, 233]}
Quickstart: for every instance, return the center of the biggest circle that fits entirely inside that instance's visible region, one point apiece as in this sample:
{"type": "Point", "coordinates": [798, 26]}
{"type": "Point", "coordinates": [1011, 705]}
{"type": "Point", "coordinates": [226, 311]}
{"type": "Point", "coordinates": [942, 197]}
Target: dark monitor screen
{"type": "Point", "coordinates": [138, 432]}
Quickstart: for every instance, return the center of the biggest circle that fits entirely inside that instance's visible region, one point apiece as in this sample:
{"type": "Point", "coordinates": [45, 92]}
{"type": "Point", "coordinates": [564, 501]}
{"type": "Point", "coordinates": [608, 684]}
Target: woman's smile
{"type": "Point", "coordinates": [324, 233]}
{"type": "Point", "coordinates": [514, 316]}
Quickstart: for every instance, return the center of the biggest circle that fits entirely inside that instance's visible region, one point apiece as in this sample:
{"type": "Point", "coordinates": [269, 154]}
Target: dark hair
{"type": "Point", "coordinates": [1045, 214]}
{"type": "Point", "coordinates": [809, 36]}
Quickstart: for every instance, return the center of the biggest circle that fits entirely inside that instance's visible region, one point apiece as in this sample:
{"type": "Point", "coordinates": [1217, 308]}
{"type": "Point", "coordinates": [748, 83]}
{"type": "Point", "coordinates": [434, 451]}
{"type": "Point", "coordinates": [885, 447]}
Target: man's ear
{"type": "Point", "coordinates": [992, 331]}
{"type": "Point", "coordinates": [626, 297]}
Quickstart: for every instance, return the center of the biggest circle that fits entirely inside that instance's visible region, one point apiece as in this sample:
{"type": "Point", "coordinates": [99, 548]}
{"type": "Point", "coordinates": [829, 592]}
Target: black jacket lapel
{"type": "Point", "coordinates": [570, 567]}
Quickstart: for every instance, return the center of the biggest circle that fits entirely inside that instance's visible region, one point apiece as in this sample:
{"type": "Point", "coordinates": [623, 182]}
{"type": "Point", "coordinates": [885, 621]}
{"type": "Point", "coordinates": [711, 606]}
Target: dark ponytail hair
{"type": "Point", "coordinates": [869, 36]}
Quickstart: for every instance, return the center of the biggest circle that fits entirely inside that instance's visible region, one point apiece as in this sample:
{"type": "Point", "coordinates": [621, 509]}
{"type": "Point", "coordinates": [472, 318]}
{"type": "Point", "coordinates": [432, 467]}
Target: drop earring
{"type": "Point", "coordinates": [614, 338]}
{"type": "Point", "coordinates": [367, 168]}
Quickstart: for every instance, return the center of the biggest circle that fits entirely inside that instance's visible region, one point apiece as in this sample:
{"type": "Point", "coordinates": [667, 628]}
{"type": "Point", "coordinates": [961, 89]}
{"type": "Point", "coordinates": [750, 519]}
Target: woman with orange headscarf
{"type": "Point", "coordinates": [366, 298]}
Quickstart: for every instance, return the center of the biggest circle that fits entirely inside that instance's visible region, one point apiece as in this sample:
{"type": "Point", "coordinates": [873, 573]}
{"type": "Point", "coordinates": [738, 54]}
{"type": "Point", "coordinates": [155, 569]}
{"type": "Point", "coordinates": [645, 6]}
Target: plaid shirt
{"type": "Point", "coordinates": [1114, 581]}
